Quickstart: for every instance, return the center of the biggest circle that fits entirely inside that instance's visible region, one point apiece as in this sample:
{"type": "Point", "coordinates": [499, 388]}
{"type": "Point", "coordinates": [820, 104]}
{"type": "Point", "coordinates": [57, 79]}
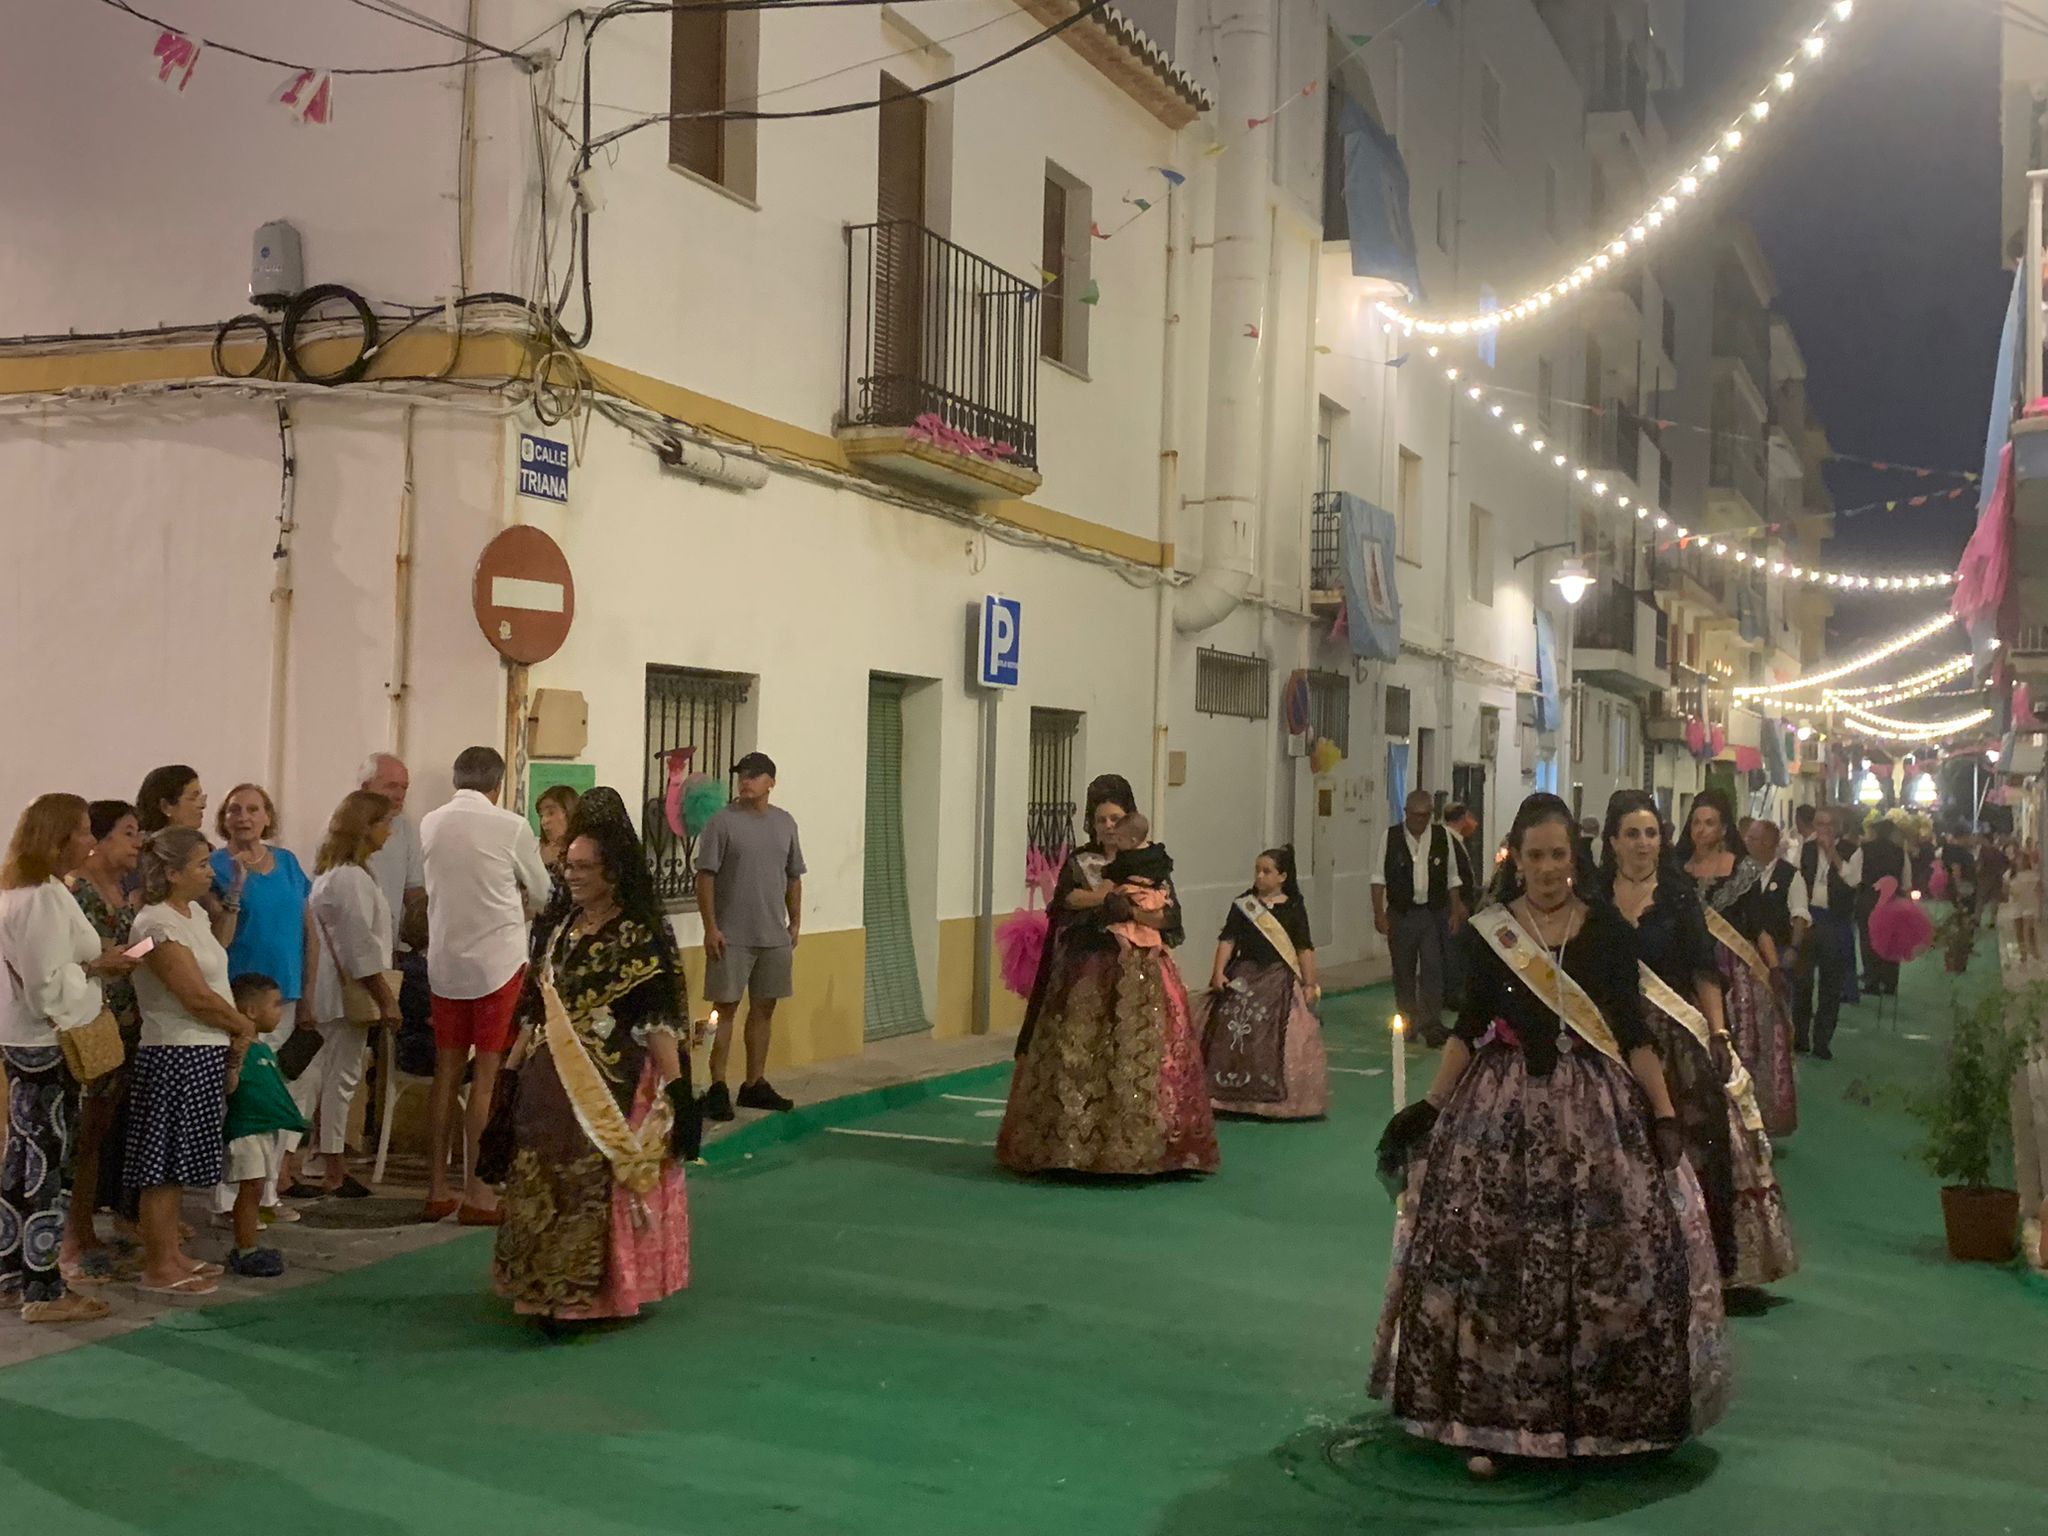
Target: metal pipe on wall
{"type": "Point", "coordinates": [1243, 236]}
{"type": "Point", "coordinates": [281, 595]}
{"type": "Point", "coordinates": [397, 686]}
{"type": "Point", "coordinates": [1169, 502]}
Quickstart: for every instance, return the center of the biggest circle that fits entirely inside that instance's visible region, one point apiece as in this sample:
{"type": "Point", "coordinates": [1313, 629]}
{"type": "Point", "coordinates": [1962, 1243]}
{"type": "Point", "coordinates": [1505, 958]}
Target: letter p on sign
{"type": "Point", "coordinates": [1002, 624]}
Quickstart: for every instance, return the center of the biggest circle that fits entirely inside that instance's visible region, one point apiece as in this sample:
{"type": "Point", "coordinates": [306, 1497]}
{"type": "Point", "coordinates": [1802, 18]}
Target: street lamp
{"type": "Point", "coordinates": [1572, 580]}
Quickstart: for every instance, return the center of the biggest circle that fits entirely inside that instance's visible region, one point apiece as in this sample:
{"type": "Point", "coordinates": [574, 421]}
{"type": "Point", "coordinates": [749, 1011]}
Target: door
{"type": "Point", "coordinates": [894, 996]}
{"type": "Point", "coordinates": [900, 255]}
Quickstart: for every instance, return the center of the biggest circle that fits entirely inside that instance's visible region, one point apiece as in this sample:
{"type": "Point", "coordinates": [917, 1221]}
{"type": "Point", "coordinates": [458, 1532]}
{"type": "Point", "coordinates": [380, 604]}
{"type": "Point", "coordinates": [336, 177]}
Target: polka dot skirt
{"type": "Point", "coordinates": [178, 1109]}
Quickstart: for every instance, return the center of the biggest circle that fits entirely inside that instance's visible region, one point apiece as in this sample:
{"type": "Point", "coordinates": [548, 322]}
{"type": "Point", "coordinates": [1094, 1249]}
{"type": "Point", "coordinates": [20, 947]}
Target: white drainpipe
{"type": "Point", "coordinates": [1238, 318]}
{"type": "Point", "coordinates": [1169, 498]}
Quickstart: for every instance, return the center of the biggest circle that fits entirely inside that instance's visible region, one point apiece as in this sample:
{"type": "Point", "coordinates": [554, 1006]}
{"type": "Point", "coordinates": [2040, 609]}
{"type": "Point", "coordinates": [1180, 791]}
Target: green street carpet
{"type": "Point", "coordinates": [886, 1335]}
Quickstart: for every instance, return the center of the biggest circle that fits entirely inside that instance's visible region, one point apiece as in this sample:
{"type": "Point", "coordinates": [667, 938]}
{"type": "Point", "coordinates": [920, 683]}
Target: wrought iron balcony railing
{"type": "Point", "coordinates": [940, 341]}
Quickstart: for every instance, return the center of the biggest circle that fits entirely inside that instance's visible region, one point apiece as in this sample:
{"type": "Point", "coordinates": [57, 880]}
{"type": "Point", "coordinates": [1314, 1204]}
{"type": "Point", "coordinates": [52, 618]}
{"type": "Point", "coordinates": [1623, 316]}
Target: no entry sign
{"type": "Point", "coordinates": [524, 595]}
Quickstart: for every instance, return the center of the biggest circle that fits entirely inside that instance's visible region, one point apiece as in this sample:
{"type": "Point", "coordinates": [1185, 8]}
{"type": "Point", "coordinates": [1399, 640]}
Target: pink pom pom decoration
{"type": "Point", "coordinates": [1899, 930]}
{"type": "Point", "coordinates": [1020, 940]}
{"type": "Point", "coordinates": [1937, 882]}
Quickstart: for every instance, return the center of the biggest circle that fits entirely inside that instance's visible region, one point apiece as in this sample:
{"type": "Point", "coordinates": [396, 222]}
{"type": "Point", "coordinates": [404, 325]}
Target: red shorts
{"type": "Point", "coordinates": [482, 1022]}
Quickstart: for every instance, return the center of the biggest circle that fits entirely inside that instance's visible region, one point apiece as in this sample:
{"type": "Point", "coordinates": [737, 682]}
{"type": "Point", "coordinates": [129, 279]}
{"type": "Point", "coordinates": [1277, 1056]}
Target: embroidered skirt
{"type": "Point", "coordinates": [1554, 1292]}
{"type": "Point", "coordinates": [1112, 1080]}
{"type": "Point", "coordinates": [1263, 1047]}
{"type": "Point", "coordinates": [1761, 1025]}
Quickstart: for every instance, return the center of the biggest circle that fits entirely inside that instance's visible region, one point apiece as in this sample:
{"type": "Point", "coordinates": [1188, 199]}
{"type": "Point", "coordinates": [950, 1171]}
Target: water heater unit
{"type": "Point", "coordinates": [276, 271]}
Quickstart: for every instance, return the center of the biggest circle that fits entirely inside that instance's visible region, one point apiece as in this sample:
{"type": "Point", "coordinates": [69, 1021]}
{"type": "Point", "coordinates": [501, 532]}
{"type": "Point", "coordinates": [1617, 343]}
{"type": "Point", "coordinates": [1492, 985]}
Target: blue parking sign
{"type": "Point", "coordinates": [999, 650]}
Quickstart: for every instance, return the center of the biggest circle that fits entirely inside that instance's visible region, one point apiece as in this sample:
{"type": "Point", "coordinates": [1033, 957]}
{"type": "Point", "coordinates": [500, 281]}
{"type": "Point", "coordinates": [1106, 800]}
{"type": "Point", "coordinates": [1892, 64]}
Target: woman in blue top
{"type": "Point", "coordinates": [263, 892]}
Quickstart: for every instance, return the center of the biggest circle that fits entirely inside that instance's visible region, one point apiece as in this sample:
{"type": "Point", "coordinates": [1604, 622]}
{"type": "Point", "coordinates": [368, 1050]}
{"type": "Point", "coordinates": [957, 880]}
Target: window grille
{"type": "Point", "coordinates": [1050, 812]}
{"type": "Point", "coordinates": [1329, 709]}
{"type": "Point", "coordinates": [1229, 684]}
{"type": "Point", "coordinates": [692, 711]}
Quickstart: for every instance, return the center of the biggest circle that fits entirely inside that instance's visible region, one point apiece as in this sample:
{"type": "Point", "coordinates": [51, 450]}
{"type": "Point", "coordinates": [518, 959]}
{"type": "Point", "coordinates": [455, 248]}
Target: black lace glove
{"type": "Point", "coordinates": [1668, 1144]}
{"type": "Point", "coordinates": [1722, 1051]}
{"type": "Point", "coordinates": [686, 1137]}
{"type": "Point", "coordinates": [1404, 1136]}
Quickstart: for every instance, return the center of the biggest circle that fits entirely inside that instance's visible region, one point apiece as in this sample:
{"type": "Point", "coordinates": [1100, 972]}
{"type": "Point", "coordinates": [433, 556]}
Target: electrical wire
{"type": "Point", "coordinates": [406, 16]}
{"type": "Point", "coordinates": [264, 58]}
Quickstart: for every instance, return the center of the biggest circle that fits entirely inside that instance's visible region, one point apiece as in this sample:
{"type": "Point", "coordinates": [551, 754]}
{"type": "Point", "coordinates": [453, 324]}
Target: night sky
{"type": "Point", "coordinates": [1877, 203]}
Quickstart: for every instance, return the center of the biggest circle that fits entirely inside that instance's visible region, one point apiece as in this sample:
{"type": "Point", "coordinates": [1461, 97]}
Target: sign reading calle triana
{"type": "Point", "coordinates": [543, 468]}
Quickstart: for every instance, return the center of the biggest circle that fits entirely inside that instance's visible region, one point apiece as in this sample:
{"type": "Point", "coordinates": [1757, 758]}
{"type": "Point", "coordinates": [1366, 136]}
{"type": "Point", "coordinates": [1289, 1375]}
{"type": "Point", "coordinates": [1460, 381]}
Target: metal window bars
{"type": "Point", "coordinates": [1052, 807]}
{"type": "Point", "coordinates": [697, 712]}
{"type": "Point", "coordinates": [1227, 683]}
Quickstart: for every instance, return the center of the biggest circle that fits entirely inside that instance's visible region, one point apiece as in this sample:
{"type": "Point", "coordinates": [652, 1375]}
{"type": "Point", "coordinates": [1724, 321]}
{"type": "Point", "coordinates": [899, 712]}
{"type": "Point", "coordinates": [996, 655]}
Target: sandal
{"type": "Point", "coordinates": [94, 1267]}
{"type": "Point", "coordinates": [278, 1215]}
{"type": "Point", "coordinates": [206, 1271]}
{"type": "Point", "coordinates": [68, 1308]}
{"type": "Point", "coordinates": [191, 1285]}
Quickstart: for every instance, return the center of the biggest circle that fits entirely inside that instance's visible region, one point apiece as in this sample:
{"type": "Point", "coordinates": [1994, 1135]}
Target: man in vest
{"type": "Point", "coordinates": [1785, 914]}
{"type": "Point", "coordinates": [1415, 902]}
{"type": "Point", "coordinates": [1831, 883]}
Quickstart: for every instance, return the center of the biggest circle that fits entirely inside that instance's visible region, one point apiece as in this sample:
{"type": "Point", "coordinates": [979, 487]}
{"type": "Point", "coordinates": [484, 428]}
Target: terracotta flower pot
{"type": "Point", "coordinates": [1980, 1222]}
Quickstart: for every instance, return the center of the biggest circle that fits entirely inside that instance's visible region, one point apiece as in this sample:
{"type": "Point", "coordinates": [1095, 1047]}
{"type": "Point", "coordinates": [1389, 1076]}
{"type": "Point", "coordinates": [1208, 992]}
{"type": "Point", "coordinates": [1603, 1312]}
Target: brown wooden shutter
{"type": "Point", "coordinates": [899, 253]}
{"type": "Point", "coordinates": [1052, 304]}
{"type": "Point", "coordinates": [697, 84]}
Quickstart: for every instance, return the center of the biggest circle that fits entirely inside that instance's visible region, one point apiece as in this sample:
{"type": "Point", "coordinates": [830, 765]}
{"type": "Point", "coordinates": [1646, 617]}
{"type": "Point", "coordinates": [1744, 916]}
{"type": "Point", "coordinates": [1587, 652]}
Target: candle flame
{"type": "Point", "coordinates": [1400, 1024]}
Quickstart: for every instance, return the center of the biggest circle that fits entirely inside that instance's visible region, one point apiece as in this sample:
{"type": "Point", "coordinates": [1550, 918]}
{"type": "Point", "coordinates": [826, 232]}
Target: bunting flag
{"type": "Point", "coordinates": [308, 96]}
{"type": "Point", "coordinates": [1096, 231]}
{"type": "Point", "coordinates": [1092, 294]}
{"type": "Point", "coordinates": [1173, 178]}
{"type": "Point", "coordinates": [1048, 277]}
{"type": "Point", "coordinates": [176, 57]}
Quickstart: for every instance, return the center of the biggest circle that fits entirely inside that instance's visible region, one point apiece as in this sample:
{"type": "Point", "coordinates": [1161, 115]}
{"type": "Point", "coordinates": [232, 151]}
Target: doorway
{"type": "Point", "coordinates": [894, 990]}
{"type": "Point", "coordinates": [1468, 785]}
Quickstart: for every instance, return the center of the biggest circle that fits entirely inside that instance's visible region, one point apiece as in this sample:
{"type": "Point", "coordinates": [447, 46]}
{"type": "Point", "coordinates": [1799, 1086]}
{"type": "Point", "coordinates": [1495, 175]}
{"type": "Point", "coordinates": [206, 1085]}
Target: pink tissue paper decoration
{"type": "Point", "coordinates": [1695, 737]}
{"type": "Point", "coordinates": [309, 96]}
{"type": "Point", "coordinates": [1020, 940]}
{"type": "Point", "coordinates": [1899, 930]}
{"type": "Point", "coordinates": [1937, 882]}
{"type": "Point", "coordinates": [176, 57]}
{"type": "Point", "coordinates": [678, 762]}
{"type": "Point", "coordinates": [1718, 742]}
{"type": "Point", "coordinates": [929, 428]}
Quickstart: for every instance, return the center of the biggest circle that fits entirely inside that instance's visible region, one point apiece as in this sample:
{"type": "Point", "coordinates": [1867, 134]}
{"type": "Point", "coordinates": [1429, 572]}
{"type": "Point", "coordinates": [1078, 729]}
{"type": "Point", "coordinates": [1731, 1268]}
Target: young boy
{"type": "Point", "coordinates": [1139, 869]}
{"type": "Point", "coordinates": [259, 1108]}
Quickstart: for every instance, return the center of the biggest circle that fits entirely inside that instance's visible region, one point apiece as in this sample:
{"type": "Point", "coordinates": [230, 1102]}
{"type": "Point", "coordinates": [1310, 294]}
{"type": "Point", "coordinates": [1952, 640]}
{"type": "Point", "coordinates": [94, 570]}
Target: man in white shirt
{"type": "Point", "coordinates": [1831, 882]}
{"type": "Point", "coordinates": [484, 880]}
{"type": "Point", "coordinates": [1416, 902]}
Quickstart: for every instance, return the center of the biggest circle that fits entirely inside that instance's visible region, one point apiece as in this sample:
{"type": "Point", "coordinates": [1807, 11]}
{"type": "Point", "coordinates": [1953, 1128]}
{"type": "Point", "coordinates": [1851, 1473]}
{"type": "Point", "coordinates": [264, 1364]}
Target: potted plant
{"type": "Point", "coordinates": [1968, 1121]}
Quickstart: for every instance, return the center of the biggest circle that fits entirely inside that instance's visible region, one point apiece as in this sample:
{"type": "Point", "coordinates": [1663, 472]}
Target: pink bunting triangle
{"type": "Point", "coordinates": [176, 57]}
{"type": "Point", "coordinates": [308, 96]}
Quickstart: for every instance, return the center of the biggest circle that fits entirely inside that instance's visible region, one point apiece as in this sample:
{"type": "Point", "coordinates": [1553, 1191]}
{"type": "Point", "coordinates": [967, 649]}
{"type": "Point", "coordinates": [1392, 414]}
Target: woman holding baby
{"type": "Point", "coordinates": [1109, 1075]}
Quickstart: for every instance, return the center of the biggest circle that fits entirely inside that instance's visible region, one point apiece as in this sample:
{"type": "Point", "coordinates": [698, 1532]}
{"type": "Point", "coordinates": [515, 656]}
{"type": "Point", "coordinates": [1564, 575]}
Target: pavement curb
{"type": "Point", "coordinates": [772, 1131]}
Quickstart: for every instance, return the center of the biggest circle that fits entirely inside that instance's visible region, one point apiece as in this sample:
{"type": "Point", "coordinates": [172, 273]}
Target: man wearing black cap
{"type": "Point", "coordinates": [750, 870]}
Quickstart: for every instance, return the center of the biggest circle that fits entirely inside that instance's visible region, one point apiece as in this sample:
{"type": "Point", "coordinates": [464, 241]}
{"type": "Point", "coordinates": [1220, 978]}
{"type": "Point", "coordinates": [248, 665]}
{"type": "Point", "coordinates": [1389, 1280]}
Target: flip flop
{"type": "Point", "coordinates": [191, 1285]}
{"type": "Point", "coordinates": [205, 1271]}
{"type": "Point", "coordinates": [96, 1267]}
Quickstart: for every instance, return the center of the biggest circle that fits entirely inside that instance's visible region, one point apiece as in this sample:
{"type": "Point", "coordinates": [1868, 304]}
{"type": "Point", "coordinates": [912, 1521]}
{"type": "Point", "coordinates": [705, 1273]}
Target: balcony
{"type": "Point", "coordinates": [2030, 521]}
{"type": "Point", "coordinates": [1617, 442]}
{"type": "Point", "coordinates": [1623, 88]}
{"type": "Point", "coordinates": [1614, 313]}
{"type": "Point", "coordinates": [942, 366]}
{"type": "Point", "coordinates": [1736, 470]}
{"type": "Point", "coordinates": [1615, 641]}
{"type": "Point", "coordinates": [1740, 340]}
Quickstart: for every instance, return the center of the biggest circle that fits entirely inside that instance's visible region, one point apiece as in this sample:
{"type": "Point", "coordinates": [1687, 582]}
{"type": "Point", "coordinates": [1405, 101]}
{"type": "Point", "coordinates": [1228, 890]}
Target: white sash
{"type": "Point", "coordinates": [1550, 982]}
{"type": "Point", "coordinates": [1261, 917]}
{"type": "Point", "coordinates": [1741, 1089]}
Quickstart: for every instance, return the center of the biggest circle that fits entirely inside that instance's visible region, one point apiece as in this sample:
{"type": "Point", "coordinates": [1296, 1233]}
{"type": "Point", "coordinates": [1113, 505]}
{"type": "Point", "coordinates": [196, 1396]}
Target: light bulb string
{"type": "Point", "coordinates": [1630, 237]}
{"type": "Point", "coordinates": [1596, 483]}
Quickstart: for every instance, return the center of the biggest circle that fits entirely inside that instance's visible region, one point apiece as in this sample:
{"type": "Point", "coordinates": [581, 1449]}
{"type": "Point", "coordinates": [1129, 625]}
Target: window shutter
{"type": "Point", "coordinates": [697, 84]}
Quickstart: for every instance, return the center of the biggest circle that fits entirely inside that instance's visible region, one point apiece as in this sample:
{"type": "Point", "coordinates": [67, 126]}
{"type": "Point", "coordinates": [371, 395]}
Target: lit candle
{"type": "Point", "coordinates": [1400, 1063]}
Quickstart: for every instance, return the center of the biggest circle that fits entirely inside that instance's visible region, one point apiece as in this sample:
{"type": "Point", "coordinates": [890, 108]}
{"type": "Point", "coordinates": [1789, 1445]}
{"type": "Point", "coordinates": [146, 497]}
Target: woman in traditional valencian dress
{"type": "Point", "coordinates": [1732, 887]}
{"type": "Point", "coordinates": [1109, 1075]}
{"type": "Point", "coordinates": [1554, 1291]}
{"type": "Point", "coordinates": [1683, 1007]}
{"type": "Point", "coordinates": [601, 1118]}
{"type": "Point", "coordinates": [1260, 1037]}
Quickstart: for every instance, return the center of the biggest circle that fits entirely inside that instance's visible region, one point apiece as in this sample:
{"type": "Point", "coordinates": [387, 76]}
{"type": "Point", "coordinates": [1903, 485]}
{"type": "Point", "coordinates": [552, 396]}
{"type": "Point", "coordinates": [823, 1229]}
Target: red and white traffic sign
{"type": "Point", "coordinates": [524, 595]}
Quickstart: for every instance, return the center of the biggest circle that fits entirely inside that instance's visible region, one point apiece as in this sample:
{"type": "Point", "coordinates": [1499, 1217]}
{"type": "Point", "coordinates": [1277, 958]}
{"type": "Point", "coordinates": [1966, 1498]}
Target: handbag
{"type": "Point", "coordinates": [93, 1050]}
{"type": "Point", "coordinates": [494, 1147]}
{"type": "Point", "coordinates": [297, 1053]}
{"type": "Point", "coordinates": [359, 1007]}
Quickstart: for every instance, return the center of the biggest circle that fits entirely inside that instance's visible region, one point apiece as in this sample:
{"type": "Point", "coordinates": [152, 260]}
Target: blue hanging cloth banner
{"type": "Point", "coordinates": [1397, 779]}
{"type": "Point", "coordinates": [1546, 672]}
{"type": "Point", "coordinates": [1774, 753]}
{"type": "Point", "coordinates": [1372, 601]}
{"type": "Point", "coordinates": [1376, 200]}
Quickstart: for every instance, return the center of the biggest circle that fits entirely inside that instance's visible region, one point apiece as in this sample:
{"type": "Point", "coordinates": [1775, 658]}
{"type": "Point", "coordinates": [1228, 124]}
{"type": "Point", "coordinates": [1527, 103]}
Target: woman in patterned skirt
{"type": "Point", "coordinates": [1109, 1073]}
{"type": "Point", "coordinates": [1260, 1037]}
{"type": "Point", "coordinates": [596, 1218]}
{"type": "Point", "coordinates": [1553, 1292]}
{"type": "Point", "coordinates": [1683, 1003]}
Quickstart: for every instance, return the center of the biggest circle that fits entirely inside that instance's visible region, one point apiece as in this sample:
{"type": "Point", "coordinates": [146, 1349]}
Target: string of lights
{"type": "Point", "coordinates": [1716, 546]}
{"type": "Point", "coordinates": [1900, 642]}
{"type": "Point", "coordinates": [1915, 730]}
{"type": "Point", "coordinates": [1869, 694]}
{"type": "Point", "coordinates": [1631, 237]}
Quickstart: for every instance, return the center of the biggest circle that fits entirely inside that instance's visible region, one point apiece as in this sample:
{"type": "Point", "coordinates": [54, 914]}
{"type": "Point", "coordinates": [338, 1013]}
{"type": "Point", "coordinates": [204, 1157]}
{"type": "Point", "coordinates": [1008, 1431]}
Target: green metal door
{"type": "Point", "coordinates": [895, 999]}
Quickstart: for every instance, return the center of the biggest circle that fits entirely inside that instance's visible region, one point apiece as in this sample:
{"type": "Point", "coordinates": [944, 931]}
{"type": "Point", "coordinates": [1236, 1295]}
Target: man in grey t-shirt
{"type": "Point", "coordinates": [750, 888]}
